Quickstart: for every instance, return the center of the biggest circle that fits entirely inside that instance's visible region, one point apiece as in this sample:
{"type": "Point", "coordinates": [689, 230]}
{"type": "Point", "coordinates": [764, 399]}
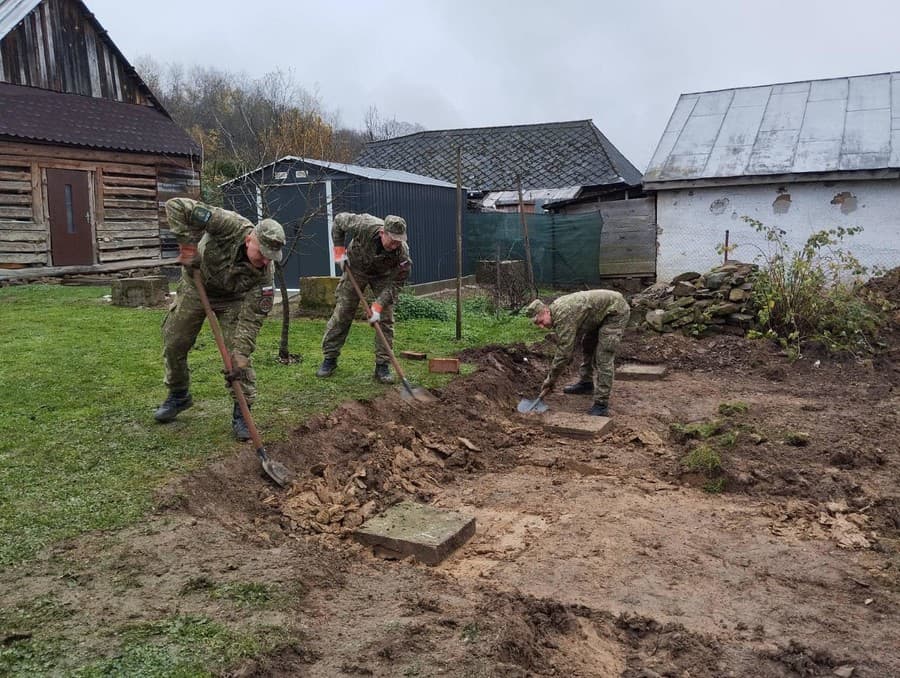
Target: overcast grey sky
{"type": "Point", "coordinates": [467, 63]}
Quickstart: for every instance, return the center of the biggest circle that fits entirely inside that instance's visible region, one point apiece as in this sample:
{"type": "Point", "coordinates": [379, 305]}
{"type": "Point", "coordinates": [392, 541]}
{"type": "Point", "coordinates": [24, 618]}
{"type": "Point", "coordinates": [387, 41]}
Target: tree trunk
{"type": "Point", "coordinates": [284, 353]}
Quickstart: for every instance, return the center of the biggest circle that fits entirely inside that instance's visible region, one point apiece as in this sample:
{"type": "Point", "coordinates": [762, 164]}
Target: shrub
{"type": "Point", "coordinates": [813, 293]}
{"type": "Point", "coordinates": [703, 459]}
{"type": "Point", "coordinates": [411, 307]}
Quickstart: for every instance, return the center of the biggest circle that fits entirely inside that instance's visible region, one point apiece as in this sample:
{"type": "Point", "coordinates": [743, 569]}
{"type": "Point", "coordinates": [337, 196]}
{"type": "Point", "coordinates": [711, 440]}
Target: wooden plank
{"type": "Point", "coordinates": [22, 247]}
{"type": "Point", "coordinates": [130, 204]}
{"type": "Point", "coordinates": [111, 188]}
{"type": "Point", "coordinates": [22, 236]}
{"type": "Point", "coordinates": [37, 195]}
{"type": "Point", "coordinates": [15, 198]}
{"type": "Point", "coordinates": [639, 207]}
{"type": "Point", "coordinates": [128, 226]}
{"type": "Point", "coordinates": [21, 212]}
{"type": "Point", "coordinates": [112, 215]}
{"type": "Point", "coordinates": [21, 226]}
{"type": "Point", "coordinates": [9, 186]}
{"type": "Point", "coordinates": [43, 271]}
{"type": "Point", "coordinates": [127, 163]}
{"type": "Point", "coordinates": [110, 234]}
{"type": "Point", "coordinates": [119, 255]}
{"type": "Point", "coordinates": [629, 223]}
{"type": "Point", "coordinates": [6, 175]}
{"type": "Point", "coordinates": [129, 242]}
{"type": "Point", "coordinates": [628, 268]}
{"type": "Point", "coordinates": [23, 258]}
{"type": "Point", "coordinates": [628, 238]}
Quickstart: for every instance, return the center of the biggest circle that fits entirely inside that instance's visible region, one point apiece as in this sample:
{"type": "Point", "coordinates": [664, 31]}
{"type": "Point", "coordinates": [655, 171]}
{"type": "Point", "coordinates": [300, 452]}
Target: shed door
{"type": "Point", "coordinates": [68, 200]}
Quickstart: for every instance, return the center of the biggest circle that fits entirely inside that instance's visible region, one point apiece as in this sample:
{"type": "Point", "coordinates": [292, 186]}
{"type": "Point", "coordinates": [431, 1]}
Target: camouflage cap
{"type": "Point", "coordinates": [534, 308]}
{"type": "Point", "coordinates": [395, 227]}
{"type": "Point", "coordinates": [270, 236]}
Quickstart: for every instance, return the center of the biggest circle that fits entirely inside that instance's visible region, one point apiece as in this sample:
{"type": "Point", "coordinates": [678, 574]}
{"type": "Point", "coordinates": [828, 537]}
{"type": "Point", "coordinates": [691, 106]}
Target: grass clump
{"type": "Point", "coordinates": [703, 459]}
{"type": "Point", "coordinates": [797, 439]}
{"type": "Point", "coordinates": [733, 408]}
{"type": "Point", "coordinates": [699, 430]}
{"type": "Point", "coordinates": [411, 307]}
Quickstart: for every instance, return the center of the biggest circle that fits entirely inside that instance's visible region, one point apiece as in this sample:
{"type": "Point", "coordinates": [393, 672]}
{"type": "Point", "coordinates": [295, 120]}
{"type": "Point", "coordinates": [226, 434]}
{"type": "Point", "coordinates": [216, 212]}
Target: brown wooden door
{"type": "Point", "coordinates": [68, 200]}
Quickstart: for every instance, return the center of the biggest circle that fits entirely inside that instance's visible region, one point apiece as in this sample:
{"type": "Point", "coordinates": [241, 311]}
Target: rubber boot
{"type": "Point", "coordinates": [178, 401]}
{"type": "Point", "coordinates": [327, 368]}
{"type": "Point", "coordinates": [238, 425]}
{"type": "Point", "coordinates": [579, 388]}
{"type": "Point", "coordinates": [383, 374]}
{"type": "Point", "coordinates": [599, 410]}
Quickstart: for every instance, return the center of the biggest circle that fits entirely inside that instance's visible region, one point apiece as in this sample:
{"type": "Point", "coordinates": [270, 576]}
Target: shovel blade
{"type": "Point", "coordinates": [538, 406]}
{"type": "Point", "coordinates": [417, 393]}
{"type": "Point", "coordinates": [277, 471]}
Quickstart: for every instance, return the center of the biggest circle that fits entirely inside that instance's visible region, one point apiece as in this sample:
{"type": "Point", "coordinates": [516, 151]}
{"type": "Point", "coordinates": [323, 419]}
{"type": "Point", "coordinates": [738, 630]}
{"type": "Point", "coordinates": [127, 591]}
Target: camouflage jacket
{"type": "Point", "coordinates": [227, 273]}
{"type": "Point", "coordinates": [573, 315]}
{"type": "Point", "coordinates": [367, 255]}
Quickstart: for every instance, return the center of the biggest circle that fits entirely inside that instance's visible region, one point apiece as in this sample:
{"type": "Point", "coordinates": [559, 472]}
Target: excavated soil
{"type": "Point", "coordinates": [602, 557]}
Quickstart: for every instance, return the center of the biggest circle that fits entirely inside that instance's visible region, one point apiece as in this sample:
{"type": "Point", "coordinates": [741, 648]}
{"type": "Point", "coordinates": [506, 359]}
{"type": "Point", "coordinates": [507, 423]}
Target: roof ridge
{"type": "Point", "coordinates": [789, 82]}
{"type": "Point", "coordinates": [439, 132]}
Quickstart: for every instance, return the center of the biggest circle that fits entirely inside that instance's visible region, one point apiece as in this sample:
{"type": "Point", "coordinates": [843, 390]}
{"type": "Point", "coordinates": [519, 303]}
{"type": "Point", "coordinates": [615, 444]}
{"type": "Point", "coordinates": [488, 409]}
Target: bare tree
{"type": "Point", "coordinates": [379, 128]}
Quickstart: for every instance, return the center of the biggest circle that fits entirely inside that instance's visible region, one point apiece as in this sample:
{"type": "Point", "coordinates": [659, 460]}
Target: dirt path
{"type": "Point", "coordinates": [591, 558]}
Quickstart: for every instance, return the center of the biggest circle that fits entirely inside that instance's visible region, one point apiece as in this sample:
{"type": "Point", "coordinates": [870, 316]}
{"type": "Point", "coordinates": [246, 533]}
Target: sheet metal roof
{"type": "Point", "coordinates": [545, 155]}
{"type": "Point", "coordinates": [12, 12]}
{"type": "Point", "coordinates": [73, 120]}
{"type": "Point", "coordinates": [840, 124]}
{"type": "Point", "coordinates": [376, 173]}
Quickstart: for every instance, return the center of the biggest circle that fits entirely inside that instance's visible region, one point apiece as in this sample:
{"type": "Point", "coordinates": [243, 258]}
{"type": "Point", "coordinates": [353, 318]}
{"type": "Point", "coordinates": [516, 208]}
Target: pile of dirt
{"type": "Point", "coordinates": [887, 285]}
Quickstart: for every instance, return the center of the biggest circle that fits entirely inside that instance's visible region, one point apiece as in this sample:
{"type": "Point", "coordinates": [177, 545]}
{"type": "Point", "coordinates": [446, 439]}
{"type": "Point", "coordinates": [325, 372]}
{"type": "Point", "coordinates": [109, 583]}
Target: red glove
{"type": "Point", "coordinates": [340, 255]}
{"type": "Point", "coordinates": [187, 254]}
{"type": "Point", "coordinates": [374, 313]}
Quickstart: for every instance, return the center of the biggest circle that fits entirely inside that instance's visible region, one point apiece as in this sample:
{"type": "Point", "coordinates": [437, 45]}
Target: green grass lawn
{"type": "Point", "coordinates": [80, 379]}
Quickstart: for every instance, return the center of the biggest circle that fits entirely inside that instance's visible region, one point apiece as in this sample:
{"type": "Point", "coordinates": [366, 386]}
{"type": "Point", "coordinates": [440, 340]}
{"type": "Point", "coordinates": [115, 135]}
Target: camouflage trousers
{"type": "Point", "coordinates": [599, 353]}
{"type": "Point", "coordinates": [346, 301]}
{"type": "Point", "coordinates": [183, 322]}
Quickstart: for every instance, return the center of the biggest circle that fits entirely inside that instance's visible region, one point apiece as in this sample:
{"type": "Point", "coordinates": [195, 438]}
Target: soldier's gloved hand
{"type": "Point", "coordinates": [187, 254]}
{"type": "Point", "coordinates": [239, 365]}
{"type": "Point", "coordinates": [374, 313]}
{"type": "Point", "coordinates": [340, 256]}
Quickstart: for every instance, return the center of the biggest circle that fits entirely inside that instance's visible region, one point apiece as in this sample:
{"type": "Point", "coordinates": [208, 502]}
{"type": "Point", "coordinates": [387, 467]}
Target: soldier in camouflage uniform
{"type": "Point", "coordinates": [600, 318]}
{"type": "Point", "coordinates": [378, 256]}
{"type": "Point", "coordinates": [235, 259]}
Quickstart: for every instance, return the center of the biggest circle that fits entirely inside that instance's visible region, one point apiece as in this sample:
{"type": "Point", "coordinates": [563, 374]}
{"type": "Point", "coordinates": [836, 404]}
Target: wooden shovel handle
{"type": "Point", "coordinates": [226, 358]}
{"type": "Point", "coordinates": [376, 324]}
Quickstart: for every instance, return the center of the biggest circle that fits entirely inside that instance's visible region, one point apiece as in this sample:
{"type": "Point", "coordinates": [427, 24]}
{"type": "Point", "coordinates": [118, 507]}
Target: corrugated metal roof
{"type": "Point", "coordinates": [74, 120]}
{"type": "Point", "coordinates": [12, 12]}
{"type": "Point", "coordinates": [377, 173]}
{"type": "Point", "coordinates": [544, 155]}
{"type": "Point", "coordinates": [839, 124]}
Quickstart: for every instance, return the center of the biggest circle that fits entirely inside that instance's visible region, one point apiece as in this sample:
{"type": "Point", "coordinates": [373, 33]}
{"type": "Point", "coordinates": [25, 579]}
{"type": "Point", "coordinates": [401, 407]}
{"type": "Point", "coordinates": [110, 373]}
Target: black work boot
{"type": "Point", "coordinates": [579, 388]}
{"type": "Point", "coordinates": [238, 425]}
{"type": "Point", "coordinates": [599, 410]}
{"type": "Point", "coordinates": [327, 368]}
{"type": "Point", "coordinates": [383, 374]}
{"type": "Point", "coordinates": [177, 401]}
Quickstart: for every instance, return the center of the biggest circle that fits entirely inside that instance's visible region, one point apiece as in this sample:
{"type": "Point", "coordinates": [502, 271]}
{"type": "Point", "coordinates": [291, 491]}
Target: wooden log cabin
{"type": "Point", "coordinates": [88, 156]}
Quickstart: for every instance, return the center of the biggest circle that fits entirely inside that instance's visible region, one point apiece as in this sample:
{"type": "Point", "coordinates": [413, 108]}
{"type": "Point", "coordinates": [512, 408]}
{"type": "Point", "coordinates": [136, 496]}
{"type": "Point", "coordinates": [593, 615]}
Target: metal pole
{"type": "Point", "coordinates": [458, 243]}
{"type": "Point", "coordinates": [726, 246]}
{"type": "Point", "coordinates": [527, 240]}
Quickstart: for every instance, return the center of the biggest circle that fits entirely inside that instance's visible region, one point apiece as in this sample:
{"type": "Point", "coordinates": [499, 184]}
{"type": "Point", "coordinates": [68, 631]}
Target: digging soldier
{"type": "Point", "coordinates": [378, 257]}
{"type": "Point", "coordinates": [599, 317]}
{"type": "Point", "coordinates": [235, 260]}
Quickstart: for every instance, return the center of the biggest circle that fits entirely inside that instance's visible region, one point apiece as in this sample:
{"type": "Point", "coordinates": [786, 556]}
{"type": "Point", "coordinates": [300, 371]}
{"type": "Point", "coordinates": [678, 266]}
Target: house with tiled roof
{"type": "Point", "coordinates": [88, 156]}
{"type": "Point", "coordinates": [798, 156]}
{"type": "Point", "coordinates": [561, 167]}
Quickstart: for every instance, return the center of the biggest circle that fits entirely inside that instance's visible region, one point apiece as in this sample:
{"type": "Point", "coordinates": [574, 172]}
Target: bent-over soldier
{"type": "Point", "coordinates": [235, 258]}
{"type": "Point", "coordinates": [378, 256]}
{"type": "Point", "coordinates": [599, 317]}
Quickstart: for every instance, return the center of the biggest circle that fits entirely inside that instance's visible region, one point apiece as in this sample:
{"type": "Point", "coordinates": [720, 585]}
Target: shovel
{"type": "Point", "coordinates": [409, 392]}
{"type": "Point", "coordinates": [537, 405]}
{"type": "Point", "coordinates": [275, 470]}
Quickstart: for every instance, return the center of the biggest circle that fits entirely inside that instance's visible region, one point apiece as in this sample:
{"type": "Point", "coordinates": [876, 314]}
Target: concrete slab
{"type": "Point", "coordinates": [414, 529]}
{"type": "Point", "coordinates": [575, 425]}
{"type": "Point", "coordinates": [638, 372]}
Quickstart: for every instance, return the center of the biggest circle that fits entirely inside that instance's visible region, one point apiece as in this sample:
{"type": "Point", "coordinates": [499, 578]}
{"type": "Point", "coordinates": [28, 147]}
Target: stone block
{"type": "Point", "coordinates": [444, 365]}
{"type": "Point", "coordinates": [655, 319]}
{"type": "Point", "coordinates": [638, 372]}
{"type": "Point", "coordinates": [317, 293]}
{"type": "Point", "coordinates": [134, 292]}
{"type": "Point", "coordinates": [687, 276]}
{"type": "Point", "coordinates": [411, 529]}
{"type": "Point", "coordinates": [575, 425]}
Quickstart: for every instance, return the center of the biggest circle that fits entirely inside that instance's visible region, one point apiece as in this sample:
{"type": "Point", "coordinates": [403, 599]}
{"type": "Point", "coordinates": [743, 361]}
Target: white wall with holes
{"type": "Point", "coordinates": [692, 222]}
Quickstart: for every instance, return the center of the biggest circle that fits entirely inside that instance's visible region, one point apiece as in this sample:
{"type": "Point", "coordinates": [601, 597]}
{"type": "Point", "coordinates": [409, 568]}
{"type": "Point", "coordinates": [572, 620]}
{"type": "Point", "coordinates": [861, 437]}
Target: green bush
{"type": "Point", "coordinates": [703, 459]}
{"type": "Point", "coordinates": [813, 293]}
{"type": "Point", "coordinates": [411, 307]}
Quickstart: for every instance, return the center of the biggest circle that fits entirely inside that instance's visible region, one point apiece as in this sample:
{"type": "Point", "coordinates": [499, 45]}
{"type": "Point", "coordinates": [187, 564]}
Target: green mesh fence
{"type": "Point", "coordinates": [565, 249]}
